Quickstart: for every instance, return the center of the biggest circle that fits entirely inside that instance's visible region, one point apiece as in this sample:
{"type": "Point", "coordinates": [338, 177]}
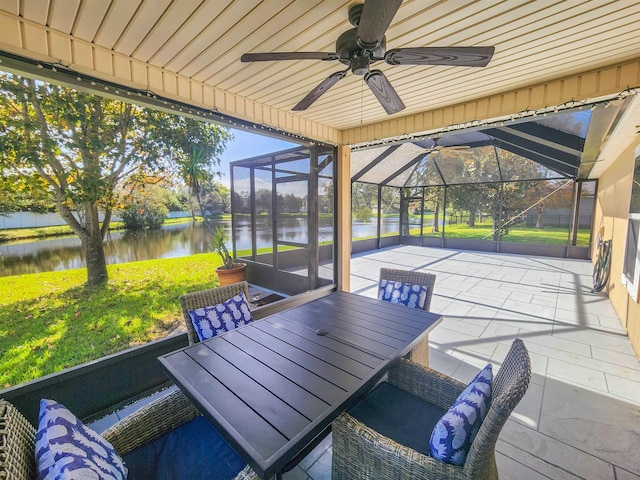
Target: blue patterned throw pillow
{"type": "Point", "coordinates": [403, 293]}
{"type": "Point", "coordinates": [67, 450]}
{"type": "Point", "coordinates": [217, 319]}
{"type": "Point", "coordinates": [453, 435]}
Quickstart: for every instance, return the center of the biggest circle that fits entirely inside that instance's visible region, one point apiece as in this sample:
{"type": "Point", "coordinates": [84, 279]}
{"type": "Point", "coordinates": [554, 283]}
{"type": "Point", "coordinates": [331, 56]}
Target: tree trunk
{"type": "Point", "coordinates": [94, 248]}
{"type": "Point", "coordinates": [496, 229]}
{"type": "Point", "coordinates": [202, 211]}
{"type": "Point", "coordinates": [539, 221]}
{"type": "Point", "coordinates": [472, 218]}
{"type": "Point", "coordinates": [436, 214]}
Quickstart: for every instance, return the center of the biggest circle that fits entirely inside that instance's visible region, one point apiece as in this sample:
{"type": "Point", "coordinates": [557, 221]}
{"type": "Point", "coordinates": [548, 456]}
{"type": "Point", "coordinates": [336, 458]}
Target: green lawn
{"type": "Point", "coordinates": [517, 233]}
{"type": "Point", "coordinates": [50, 321]}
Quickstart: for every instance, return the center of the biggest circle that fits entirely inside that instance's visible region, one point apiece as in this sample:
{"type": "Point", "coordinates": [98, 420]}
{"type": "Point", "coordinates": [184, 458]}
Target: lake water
{"type": "Point", "coordinates": [63, 253]}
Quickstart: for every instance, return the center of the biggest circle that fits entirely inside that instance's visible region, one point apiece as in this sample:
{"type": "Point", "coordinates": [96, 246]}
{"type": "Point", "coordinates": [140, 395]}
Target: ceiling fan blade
{"type": "Point", "coordinates": [374, 21]}
{"type": "Point", "coordinates": [384, 92]}
{"type": "Point", "coordinates": [268, 57]}
{"type": "Point", "coordinates": [453, 147]}
{"type": "Point", "coordinates": [453, 56]}
{"type": "Point", "coordinates": [317, 92]}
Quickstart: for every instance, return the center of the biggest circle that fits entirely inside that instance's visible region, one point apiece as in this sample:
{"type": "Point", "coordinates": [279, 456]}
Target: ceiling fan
{"type": "Point", "coordinates": [431, 146]}
{"type": "Point", "coordinates": [365, 44]}
{"type": "Point", "coordinates": [451, 149]}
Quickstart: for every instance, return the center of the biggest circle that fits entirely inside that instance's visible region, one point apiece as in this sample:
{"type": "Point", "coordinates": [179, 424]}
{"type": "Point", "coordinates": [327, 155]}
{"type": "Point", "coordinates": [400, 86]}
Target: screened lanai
{"type": "Point", "coordinates": [283, 218]}
{"type": "Point", "coordinates": [519, 185]}
{"type": "Point", "coordinates": [515, 186]}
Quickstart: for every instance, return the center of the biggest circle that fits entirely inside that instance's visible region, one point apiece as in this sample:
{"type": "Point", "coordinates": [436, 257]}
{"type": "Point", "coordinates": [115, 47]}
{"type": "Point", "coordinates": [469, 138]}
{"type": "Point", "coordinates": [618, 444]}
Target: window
{"type": "Point", "coordinates": [631, 266]}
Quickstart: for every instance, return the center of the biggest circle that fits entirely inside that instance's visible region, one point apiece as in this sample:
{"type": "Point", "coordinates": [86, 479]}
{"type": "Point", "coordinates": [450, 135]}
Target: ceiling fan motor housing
{"type": "Point", "coordinates": [354, 55]}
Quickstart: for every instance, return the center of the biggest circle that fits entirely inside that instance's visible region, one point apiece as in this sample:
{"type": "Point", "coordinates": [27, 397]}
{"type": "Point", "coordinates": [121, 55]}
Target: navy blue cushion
{"type": "Point", "coordinates": [192, 451]}
{"type": "Point", "coordinates": [399, 415]}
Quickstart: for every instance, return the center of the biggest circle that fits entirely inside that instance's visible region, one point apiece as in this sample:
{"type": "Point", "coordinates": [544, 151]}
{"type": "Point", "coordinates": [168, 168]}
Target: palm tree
{"type": "Point", "coordinates": [196, 173]}
{"type": "Point", "coordinates": [195, 151]}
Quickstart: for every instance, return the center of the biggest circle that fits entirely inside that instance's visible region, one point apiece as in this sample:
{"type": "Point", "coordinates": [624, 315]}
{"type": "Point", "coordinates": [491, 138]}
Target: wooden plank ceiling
{"type": "Point", "coordinates": [203, 40]}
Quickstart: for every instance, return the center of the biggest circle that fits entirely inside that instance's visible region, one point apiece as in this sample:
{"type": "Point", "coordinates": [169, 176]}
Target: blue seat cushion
{"type": "Point", "coordinates": [194, 450]}
{"type": "Point", "coordinates": [399, 415]}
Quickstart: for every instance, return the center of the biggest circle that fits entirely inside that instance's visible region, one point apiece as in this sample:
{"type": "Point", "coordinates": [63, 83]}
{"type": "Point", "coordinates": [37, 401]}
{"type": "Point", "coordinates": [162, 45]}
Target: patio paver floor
{"type": "Point", "coordinates": [580, 418]}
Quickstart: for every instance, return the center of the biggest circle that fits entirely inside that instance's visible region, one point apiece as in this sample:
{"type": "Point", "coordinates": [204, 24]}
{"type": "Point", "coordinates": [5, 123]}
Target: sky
{"type": "Point", "coordinates": [247, 145]}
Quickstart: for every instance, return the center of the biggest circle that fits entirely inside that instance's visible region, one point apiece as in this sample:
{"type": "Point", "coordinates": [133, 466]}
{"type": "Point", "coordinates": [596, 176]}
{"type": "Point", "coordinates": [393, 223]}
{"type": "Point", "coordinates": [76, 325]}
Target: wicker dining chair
{"type": "Point", "coordinates": [17, 435]}
{"type": "Point", "coordinates": [420, 353]}
{"type": "Point", "coordinates": [360, 452]}
{"type": "Point", "coordinates": [207, 298]}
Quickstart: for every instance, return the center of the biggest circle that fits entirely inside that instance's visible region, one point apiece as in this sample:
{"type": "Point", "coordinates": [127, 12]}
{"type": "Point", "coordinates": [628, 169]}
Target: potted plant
{"type": "Point", "coordinates": [230, 271]}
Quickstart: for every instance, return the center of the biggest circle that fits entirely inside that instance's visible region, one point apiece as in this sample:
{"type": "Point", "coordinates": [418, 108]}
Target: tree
{"type": "Point", "coordinates": [263, 201]}
{"type": "Point", "coordinates": [290, 203]}
{"type": "Point", "coordinates": [433, 196]}
{"type": "Point", "coordinates": [472, 169]}
{"type": "Point", "coordinates": [195, 148]}
{"type": "Point", "coordinates": [217, 198]}
{"type": "Point", "coordinates": [78, 148]}
{"type": "Point", "coordinates": [502, 201]}
{"type": "Point", "coordinates": [144, 207]}
{"type": "Point", "coordinates": [363, 197]}
{"type": "Point", "coordinates": [548, 194]}
{"type": "Point", "coordinates": [174, 200]}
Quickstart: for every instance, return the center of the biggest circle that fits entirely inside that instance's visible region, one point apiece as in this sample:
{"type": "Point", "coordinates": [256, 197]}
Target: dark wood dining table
{"type": "Point", "coordinates": [273, 386]}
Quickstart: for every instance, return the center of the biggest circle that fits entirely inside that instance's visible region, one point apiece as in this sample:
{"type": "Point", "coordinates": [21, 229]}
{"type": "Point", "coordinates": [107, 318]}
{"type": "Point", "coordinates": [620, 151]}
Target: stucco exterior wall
{"type": "Point", "coordinates": [612, 208]}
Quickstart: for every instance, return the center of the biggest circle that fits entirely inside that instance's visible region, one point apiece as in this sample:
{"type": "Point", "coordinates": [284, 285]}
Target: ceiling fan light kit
{"type": "Point", "coordinates": [365, 44]}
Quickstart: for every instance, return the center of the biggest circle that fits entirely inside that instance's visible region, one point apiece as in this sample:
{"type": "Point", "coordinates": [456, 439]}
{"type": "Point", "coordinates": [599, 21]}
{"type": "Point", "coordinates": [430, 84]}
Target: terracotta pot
{"type": "Point", "coordinates": [233, 275]}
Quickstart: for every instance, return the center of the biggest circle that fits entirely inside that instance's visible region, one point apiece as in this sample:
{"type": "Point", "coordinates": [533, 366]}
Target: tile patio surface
{"type": "Point", "coordinates": [580, 418]}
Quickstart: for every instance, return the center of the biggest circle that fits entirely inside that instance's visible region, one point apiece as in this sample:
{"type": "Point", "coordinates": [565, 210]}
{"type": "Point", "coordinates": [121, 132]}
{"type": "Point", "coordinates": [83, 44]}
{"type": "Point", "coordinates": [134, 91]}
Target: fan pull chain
{"type": "Point", "coordinates": [361, 101]}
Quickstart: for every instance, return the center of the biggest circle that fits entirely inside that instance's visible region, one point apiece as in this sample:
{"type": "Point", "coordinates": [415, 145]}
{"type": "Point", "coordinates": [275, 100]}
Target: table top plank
{"type": "Point", "coordinates": [279, 414]}
{"type": "Point", "coordinates": [265, 333]}
{"type": "Point", "coordinates": [414, 317]}
{"type": "Point", "coordinates": [330, 357]}
{"type": "Point", "coordinates": [377, 318]}
{"type": "Point", "coordinates": [375, 313]}
{"type": "Point", "coordinates": [377, 329]}
{"type": "Point", "coordinates": [289, 392]}
{"type": "Point", "coordinates": [320, 387]}
{"type": "Point", "coordinates": [339, 345]}
{"type": "Point", "coordinates": [238, 422]}
{"type": "Point", "coordinates": [381, 312]}
{"type": "Point", "coordinates": [348, 332]}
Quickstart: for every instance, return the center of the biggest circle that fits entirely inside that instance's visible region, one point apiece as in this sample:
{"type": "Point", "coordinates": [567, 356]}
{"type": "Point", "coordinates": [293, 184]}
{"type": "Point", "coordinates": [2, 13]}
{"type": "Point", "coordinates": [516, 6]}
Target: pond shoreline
{"type": "Point", "coordinates": [16, 235]}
